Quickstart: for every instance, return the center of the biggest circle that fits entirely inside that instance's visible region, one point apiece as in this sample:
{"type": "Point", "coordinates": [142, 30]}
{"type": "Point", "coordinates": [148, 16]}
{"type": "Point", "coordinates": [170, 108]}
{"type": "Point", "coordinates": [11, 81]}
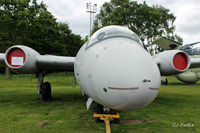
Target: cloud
{"type": "Point", "coordinates": [188, 21]}
{"type": "Point", "coordinates": [74, 12]}
{"type": "Point", "coordinates": [187, 17]}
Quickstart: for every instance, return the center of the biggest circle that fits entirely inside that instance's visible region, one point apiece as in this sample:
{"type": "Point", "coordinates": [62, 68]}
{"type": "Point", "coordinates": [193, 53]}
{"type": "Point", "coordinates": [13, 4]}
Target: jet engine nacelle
{"type": "Point", "coordinates": [172, 62]}
{"type": "Point", "coordinates": [21, 59]}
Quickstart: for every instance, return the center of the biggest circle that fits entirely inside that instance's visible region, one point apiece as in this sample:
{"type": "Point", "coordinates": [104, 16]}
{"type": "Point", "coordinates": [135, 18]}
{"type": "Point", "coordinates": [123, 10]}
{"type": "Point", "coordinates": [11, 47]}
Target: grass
{"type": "Point", "coordinates": [22, 111]}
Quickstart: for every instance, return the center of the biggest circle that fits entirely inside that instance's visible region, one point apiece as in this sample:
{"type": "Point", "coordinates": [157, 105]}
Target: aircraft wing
{"type": "Point", "coordinates": [166, 44]}
{"type": "Point", "coordinates": [55, 63]}
{"type": "Point", "coordinates": [2, 63]}
{"type": "Point", "coordinates": [195, 62]}
{"type": "Point", "coordinates": [23, 59]}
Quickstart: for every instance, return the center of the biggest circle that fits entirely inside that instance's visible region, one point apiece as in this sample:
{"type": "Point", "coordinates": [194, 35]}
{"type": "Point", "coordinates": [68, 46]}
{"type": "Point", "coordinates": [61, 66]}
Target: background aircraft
{"type": "Point", "coordinates": [164, 43]}
{"type": "Point", "coordinates": [112, 68]}
{"type": "Point", "coordinates": [192, 75]}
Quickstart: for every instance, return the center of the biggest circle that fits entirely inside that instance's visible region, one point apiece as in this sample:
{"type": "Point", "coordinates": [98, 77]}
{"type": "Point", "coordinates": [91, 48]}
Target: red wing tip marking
{"type": "Point", "coordinates": [115, 88]}
{"type": "Point", "coordinates": [154, 88]}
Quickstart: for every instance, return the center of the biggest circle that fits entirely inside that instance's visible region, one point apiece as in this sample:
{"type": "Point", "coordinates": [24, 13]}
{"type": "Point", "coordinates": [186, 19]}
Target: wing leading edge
{"type": "Point", "coordinates": [44, 62]}
{"type": "Point", "coordinates": [2, 63]}
{"type": "Point", "coordinates": [55, 63]}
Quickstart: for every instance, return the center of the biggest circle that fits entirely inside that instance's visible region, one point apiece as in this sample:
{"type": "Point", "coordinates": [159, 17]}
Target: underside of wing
{"type": "Point", "coordinates": [195, 61]}
{"type": "Point", "coordinates": [55, 63]}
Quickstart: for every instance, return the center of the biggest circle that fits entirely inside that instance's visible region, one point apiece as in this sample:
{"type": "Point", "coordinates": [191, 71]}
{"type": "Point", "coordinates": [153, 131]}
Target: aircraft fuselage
{"type": "Point", "coordinates": [118, 73]}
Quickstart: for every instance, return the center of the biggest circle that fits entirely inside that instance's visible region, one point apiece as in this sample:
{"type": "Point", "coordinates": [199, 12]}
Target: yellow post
{"type": "Point", "coordinates": [106, 118]}
{"type": "Point", "coordinates": [107, 125]}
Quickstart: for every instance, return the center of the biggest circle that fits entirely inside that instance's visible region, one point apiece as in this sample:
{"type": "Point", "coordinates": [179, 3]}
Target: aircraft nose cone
{"type": "Point", "coordinates": [131, 78]}
{"type": "Point", "coordinates": [118, 73]}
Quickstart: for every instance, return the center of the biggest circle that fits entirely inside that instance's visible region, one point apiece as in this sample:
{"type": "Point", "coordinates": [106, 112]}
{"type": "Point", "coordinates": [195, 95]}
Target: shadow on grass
{"type": "Point", "coordinates": [36, 100]}
{"type": "Point", "coordinates": [123, 121]}
{"type": "Point", "coordinates": [172, 99]}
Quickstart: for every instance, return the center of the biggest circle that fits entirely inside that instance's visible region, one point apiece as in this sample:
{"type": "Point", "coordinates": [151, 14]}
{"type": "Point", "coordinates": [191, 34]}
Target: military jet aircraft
{"type": "Point", "coordinates": [166, 43]}
{"type": "Point", "coordinates": [192, 75]}
{"type": "Point", "coordinates": [112, 68]}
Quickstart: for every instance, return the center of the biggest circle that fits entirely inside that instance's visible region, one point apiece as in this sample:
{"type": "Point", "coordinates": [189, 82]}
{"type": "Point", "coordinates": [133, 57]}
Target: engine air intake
{"type": "Point", "coordinates": [180, 61]}
{"type": "Point", "coordinates": [16, 57]}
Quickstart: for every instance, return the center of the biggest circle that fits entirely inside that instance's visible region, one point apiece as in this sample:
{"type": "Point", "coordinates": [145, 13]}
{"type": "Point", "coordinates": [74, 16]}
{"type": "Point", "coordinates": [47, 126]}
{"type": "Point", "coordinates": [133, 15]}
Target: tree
{"type": "Point", "coordinates": [25, 22]}
{"type": "Point", "coordinates": [73, 42]}
{"type": "Point", "coordinates": [148, 22]}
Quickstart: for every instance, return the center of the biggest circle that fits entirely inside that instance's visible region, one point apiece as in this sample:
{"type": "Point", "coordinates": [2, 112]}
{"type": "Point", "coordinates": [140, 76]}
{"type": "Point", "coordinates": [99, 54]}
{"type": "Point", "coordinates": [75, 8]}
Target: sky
{"type": "Point", "coordinates": [74, 13]}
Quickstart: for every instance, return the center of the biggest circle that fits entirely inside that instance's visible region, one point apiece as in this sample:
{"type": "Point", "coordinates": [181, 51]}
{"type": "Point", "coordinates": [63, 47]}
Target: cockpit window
{"type": "Point", "coordinates": [112, 31]}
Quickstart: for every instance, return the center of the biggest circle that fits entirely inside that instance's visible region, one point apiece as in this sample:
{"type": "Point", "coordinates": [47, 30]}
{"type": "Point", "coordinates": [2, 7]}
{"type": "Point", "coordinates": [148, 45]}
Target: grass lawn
{"type": "Point", "coordinates": [175, 110]}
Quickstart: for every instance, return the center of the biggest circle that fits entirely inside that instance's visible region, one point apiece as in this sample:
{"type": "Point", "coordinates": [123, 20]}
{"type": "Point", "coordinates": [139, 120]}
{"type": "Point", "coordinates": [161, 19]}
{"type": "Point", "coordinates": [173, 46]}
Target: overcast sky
{"type": "Point", "coordinates": [73, 12]}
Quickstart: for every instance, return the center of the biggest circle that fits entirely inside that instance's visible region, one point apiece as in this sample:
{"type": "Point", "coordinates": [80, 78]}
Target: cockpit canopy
{"type": "Point", "coordinates": [111, 32]}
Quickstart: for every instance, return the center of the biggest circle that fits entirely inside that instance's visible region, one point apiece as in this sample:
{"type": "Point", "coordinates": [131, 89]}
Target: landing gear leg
{"type": "Point", "coordinates": [44, 88]}
{"type": "Point", "coordinates": [40, 77]}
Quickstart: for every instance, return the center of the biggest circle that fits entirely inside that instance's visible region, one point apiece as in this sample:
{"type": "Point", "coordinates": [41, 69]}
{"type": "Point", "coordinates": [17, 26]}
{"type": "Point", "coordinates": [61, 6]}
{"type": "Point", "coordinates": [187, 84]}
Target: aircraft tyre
{"type": "Point", "coordinates": [46, 91]}
{"type": "Point", "coordinates": [165, 82]}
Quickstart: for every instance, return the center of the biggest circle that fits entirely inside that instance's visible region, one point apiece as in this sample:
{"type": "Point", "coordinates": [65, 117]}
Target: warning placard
{"type": "Point", "coordinates": [17, 61]}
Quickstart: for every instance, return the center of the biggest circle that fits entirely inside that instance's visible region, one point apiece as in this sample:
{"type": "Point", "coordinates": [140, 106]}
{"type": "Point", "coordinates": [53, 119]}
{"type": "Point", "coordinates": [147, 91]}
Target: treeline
{"type": "Point", "coordinates": [148, 22]}
{"type": "Point", "coordinates": [27, 22]}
